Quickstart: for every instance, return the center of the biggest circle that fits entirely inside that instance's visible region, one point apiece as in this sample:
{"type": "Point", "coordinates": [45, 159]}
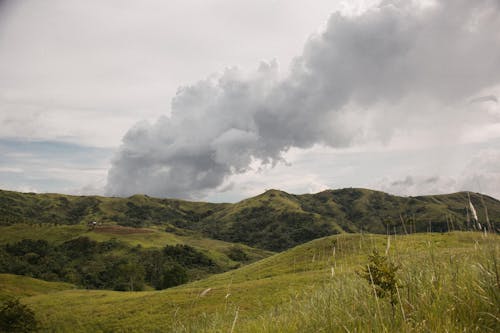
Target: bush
{"type": "Point", "coordinates": [173, 275]}
{"type": "Point", "coordinates": [381, 274]}
{"type": "Point", "coordinates": [237, 254]}
{"type": "Point", "coordinates": [16, 317]}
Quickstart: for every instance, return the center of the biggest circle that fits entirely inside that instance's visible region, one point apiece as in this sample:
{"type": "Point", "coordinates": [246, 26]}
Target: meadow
{"type": "Point", "coordinates": [446, 282]}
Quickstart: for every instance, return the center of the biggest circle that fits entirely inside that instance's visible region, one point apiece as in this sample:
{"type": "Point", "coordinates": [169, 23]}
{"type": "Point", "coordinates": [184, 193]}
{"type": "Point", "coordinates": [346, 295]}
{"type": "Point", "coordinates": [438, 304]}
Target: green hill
{"type": "Point", "coordinates": [274, 220]}
{"type": "Point", "coordinates": [22, 286]}
{"type": "Point", "coordinates": [447, 282]}
{"type": "Point", "coordinates": [136, 211]}
{"type": "Point", "coordinates": [116, 257]}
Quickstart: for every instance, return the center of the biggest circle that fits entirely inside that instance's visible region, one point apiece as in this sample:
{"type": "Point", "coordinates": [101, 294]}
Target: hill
{"type": "Point", "coordinates": [22, 286]}
{"type": "Point", "coordinates": [274, 220]}
{"type": "Point", "coordinates": [447, 282]}
{"type": "Point", "coordinates": [116, 257]}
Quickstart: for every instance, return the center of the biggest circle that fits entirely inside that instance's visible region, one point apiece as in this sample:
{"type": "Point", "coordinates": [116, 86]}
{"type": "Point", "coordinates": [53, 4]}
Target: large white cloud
{"type": "Point", "coordinates": [399, 66]}
{"type": "Point", "coordinates": [68, 68]}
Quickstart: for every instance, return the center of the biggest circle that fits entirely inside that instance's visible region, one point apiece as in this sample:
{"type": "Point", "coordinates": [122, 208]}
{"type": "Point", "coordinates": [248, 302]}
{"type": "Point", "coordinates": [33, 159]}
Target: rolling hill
{"type": "Point", "coordinates": [106, 257]}
{"type": "Point", "coordinates": [447, 282]}
{"type": "Point", "coordinates": [274, 220]}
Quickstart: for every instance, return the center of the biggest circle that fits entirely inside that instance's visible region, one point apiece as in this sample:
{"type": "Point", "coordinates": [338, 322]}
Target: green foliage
{"type": "Point", "coordinates": [381, 275]}
{"type": "Point", "coordinates": [105, 265]}
{"type": "Point", "coordinates": [16, 317]}
{"type": "Point", "coordinates": [129, 276]}
{"type": "Point", "coordinates": [170, 266]}
{"type": "Point", "coordinates": [236, 253]}
{"type": "Point", "coordinates": [172, 275]}
{"type": "Point", "coordinates": [188, 256]}
{"type": "Point", "coordinates": [266, 227]}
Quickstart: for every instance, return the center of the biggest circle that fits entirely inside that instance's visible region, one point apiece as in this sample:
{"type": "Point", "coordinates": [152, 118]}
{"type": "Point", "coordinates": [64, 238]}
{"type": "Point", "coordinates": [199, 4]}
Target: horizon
{"type": "Point", "coordinates": [250, 197]}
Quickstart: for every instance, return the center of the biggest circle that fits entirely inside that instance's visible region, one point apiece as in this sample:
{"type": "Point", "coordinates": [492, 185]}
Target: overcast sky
{"type": "Point", "coordinates": [222, 99]}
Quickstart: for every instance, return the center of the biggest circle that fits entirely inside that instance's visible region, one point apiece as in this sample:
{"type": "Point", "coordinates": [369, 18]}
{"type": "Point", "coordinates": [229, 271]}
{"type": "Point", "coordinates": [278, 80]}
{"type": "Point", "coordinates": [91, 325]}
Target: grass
{"type": "Point", "coordinates": [449, 282]}
{"type": "Point", "coordinates": [23, 286]}
{"type": "Point", "coordinates": [437, 295]}
{"type": "Point", "coordinates": [50, 233]}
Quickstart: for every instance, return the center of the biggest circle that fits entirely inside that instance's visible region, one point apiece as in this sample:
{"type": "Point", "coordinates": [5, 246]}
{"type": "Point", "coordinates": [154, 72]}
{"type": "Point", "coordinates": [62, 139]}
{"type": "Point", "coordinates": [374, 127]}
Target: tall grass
{"type": "Point", "coordinates": [441, 291]}
{"type": "Point", "coordinates": [446, 283]}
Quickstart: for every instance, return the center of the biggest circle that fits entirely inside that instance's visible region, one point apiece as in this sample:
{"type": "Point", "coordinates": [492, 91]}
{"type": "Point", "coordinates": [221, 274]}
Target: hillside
{"type": "Point", "coordinates": [274, 220]}
{"type": "Point", "coordinates": [22, 286]}
{"type": "Point", "coordinates": [277, 220]}
{"type": "Point", "coordinates": [116, 257]}
{"type": "Point", "coordinates": [448, 282]}
{"type": "Point", "coordinates": [135, 211]}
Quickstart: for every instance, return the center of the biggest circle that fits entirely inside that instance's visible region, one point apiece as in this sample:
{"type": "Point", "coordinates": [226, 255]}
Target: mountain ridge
{"type": "Point", "coordinates": [274, 220]}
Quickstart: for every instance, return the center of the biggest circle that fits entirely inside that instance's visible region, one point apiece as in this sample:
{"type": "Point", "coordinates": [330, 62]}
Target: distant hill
{"type": "Point", "coordinates": [274, 220]}
{"type": "Point", "coordinates": [277, 220]}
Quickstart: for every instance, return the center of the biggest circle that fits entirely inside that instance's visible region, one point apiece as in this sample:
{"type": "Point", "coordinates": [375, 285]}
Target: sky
{"type": "Point", "coordinates": [219, 100]}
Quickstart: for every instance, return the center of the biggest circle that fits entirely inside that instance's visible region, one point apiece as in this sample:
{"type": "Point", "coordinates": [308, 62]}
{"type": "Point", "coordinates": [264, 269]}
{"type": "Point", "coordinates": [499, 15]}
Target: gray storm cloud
{"type": "Point", "coordinates": [446, 52]}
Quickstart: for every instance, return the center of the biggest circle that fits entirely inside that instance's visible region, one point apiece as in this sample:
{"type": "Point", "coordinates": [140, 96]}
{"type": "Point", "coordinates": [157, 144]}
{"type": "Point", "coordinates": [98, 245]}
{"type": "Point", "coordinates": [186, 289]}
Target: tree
{"type": "Point", "coordinates": [133, 275]}
{"type": "Point", "coordinates": [173, 275]}
{"type": "Point", "coordinates": [16, 317]}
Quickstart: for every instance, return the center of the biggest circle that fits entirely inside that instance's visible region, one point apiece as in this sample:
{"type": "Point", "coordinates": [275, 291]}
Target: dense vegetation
{"type": "Point", "coordinates": [105, 265]}
{"type": "Point", "coordinates": [274, 220]}
{"type": "Point", "coordinates": [16, 317]}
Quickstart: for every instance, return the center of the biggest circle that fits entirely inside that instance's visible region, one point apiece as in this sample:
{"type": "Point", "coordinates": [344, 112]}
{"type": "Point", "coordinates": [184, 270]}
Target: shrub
{"type": "Point", "coordinates": [16, 317]}
{"type": "Point", "coordinates": [173, 275]}
{"type": "Point", "coordinates": [237, 254]}
{"type": "Point", "coordinates": [381, 274]}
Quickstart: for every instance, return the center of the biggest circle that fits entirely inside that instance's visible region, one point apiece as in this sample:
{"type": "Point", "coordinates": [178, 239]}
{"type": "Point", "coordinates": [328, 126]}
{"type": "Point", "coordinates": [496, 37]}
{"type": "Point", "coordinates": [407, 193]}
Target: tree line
{"type": "Point", "coordinates": [105, 265]}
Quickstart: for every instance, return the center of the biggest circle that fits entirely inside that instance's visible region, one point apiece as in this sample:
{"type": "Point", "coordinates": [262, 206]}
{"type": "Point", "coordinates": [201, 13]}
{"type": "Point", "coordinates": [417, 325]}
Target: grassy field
{"type": "Point", "coordinates": [446, 283]}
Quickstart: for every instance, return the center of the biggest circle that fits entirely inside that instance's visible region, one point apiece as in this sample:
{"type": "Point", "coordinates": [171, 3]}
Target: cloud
{"type": "Point", "coordinates": [397, 66]}
{"type": "Point", "coordinates": [482, 99]}
{"type": "Point", "coordinates": [68, 69]}
{"type": "Point", "coordinates": [418, 185]}
{"type": "Point", "coordinates": [480, 173]}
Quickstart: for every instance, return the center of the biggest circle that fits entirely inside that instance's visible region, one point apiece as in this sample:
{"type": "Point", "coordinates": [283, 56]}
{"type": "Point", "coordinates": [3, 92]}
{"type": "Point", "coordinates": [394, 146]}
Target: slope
{"type": "Point", "coordinates": [112, 256]}
{"type": "Point", "coordinates": [22, 286]}
{"type": "Point", "coordinates": [276, 220]}
{"type": "Point", "coordinates": [447, 281]}
{"type": "Point", "coordinates": [135, 211]}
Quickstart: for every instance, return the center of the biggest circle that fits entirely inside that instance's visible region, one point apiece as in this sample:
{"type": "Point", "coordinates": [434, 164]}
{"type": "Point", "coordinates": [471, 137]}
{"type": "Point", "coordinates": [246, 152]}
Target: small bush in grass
{"type": "Point", "coordinates": [16, 317]}
{"type": "Point", "coordinates": [237, 254]}
{"type": "Point", "coordinates": [381, 274]}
